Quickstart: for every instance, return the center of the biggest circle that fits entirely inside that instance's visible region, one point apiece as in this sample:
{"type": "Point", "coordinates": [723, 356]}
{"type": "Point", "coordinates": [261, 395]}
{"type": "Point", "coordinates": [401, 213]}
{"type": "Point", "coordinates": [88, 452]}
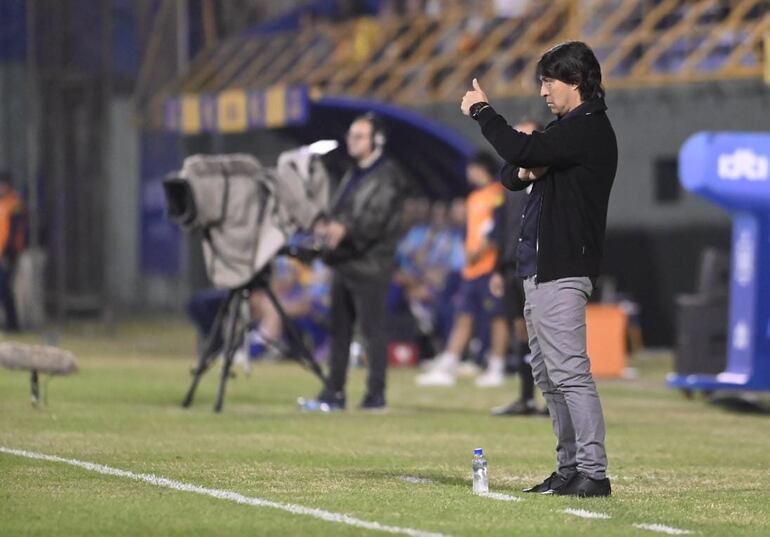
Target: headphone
{"type": "Point", "coordinates": [379, 138]}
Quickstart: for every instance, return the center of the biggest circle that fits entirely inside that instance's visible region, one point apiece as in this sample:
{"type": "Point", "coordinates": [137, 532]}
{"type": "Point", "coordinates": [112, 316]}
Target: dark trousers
{"type": "Point", "coordinates": [6, 297]}
{"type": "Point", "coordinates": [513, 305]}
{"type": "Point", "coordinates": [364, 300]}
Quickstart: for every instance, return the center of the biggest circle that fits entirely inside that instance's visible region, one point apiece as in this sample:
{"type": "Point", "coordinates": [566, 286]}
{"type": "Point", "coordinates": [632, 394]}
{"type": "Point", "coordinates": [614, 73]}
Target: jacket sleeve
{"type": "Point", "coordinates": [370, 220]}
{"type": "Point", "coordinates": [509, 177]}
{"type": "Point", "coordinates": [557, 146]}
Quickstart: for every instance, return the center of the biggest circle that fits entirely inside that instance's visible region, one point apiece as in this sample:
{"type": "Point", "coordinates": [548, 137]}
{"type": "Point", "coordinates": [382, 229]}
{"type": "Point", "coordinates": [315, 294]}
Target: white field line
{"type": "Point", "coordinates": [416, 480]}
{"type": "Point", "coordinates": [582, 513]}
{"type": "Point", "coordinates": [660, 528]}
{"type": "Point", "coordinates": [224, 494]}
{"type": "Point", "coordinates": [500, 496]}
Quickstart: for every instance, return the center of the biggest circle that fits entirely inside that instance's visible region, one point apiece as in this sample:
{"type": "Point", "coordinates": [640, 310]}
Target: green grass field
{"type": "Point", "coordinates": [679, 463]}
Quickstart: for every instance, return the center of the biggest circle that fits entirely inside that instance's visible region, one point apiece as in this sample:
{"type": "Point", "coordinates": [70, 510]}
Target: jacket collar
{"type": "Point", "coordinates": [586, 108]}
{"type": "Point", "coordinates": [372, 165]}
{"type": "Point", "coordinates": [354, 172]}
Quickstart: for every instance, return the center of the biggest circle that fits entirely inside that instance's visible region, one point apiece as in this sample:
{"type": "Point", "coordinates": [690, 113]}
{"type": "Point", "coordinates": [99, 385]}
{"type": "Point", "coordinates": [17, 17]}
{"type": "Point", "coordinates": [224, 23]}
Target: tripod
{"type": "Point", "coordinates": [227, 333]}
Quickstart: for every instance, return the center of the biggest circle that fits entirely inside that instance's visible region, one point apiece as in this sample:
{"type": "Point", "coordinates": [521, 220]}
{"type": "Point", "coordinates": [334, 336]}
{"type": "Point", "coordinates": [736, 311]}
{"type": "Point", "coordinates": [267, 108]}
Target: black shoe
{"type": "Point", "coordinates": [326, 402]}
{"type": "Point", "coordinates": [373, 402]}
{"type": "Point", "coordinates": [517, 408]}
{"type": "Point", "coordinates": [551, 485]}
{"type": "Point", "coordinates": [583, 486]}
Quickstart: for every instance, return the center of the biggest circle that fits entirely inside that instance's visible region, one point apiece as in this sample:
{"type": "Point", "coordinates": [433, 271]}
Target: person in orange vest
{"type": "Point", "coordinates": [475, 301]}
{"type": "Point", "coordinates": [11, 243]}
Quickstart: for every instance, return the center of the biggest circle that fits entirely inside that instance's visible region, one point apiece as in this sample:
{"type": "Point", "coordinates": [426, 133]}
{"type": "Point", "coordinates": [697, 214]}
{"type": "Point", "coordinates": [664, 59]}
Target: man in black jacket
{"type": "Point", "coordinates": [571, 166]}
{"type": "Point", "coordinates": [360, 235]}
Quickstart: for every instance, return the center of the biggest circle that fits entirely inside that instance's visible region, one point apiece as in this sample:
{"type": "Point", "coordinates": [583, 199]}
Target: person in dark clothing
{"type": "Point", "coordinates": [360, 235]}
{"type": "Point", "coordinates": [11, 244]}
{"type": "Point", "coordinates": [506, 284]}
{"type": "Point", "coordinates": [571, 166]}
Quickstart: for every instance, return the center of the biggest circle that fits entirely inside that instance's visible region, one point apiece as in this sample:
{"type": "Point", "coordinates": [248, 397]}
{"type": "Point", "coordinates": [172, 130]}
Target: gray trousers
{"type": "Point", "coordinates": [555, 312]}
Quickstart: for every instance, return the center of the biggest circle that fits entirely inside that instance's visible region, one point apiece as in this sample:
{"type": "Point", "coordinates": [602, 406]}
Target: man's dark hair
{"type": "Point", "coordinates": [5, 177]}
{"type": "Point", "coordinates": [486, 161]}
{"type": "Point", "coordinates": [573, 62]}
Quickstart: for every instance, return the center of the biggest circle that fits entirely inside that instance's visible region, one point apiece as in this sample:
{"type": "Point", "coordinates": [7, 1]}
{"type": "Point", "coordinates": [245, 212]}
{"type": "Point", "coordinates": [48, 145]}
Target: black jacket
{"type": "Point", "coordinates": [582, 155]}
{"type": "Point", "coordinates": [371, 212]}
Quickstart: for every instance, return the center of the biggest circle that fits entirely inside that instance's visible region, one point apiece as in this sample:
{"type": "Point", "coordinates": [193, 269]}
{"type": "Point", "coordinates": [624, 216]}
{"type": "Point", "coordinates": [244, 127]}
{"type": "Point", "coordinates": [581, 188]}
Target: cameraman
{"type": "Point", "coordinates": [360, 235]}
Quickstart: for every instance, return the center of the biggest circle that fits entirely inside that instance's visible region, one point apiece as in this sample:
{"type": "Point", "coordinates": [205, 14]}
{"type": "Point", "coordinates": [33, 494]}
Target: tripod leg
{"type": "Point", "coordinates": [231, 344]}
{"type": "Point", "coordinates": [296, 338]}
{"type": "Point", "coordinates": [35, 388]}
{"type": "Point", "coordinates": [210, 348]}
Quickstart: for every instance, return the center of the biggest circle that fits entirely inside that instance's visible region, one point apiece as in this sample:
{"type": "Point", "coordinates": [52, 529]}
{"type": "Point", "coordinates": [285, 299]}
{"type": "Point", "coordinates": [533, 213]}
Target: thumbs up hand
{"type": "Point", "coordinates": [471, 97]}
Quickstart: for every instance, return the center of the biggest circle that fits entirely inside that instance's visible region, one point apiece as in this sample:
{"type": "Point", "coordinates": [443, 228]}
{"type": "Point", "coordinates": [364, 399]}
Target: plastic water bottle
{"type": "Point", "coordinates": [480, 478]}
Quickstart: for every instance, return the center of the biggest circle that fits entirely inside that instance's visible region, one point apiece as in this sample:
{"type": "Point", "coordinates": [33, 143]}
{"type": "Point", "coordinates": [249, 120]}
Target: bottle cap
{"type": "Point", "coordinates": [478, 451]}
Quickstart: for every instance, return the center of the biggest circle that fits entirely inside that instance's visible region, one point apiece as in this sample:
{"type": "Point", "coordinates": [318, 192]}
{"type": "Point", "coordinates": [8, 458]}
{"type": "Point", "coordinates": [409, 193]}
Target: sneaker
{"type": "Point", "coordinates": [468, 369]}
{"type": "Point", "coordinates": [552, 483]}
{"type": "Point", "coordinates": [241, 360]}
{"type": "Point", "coordinates": [517, 408]}
{"type": "Point", "coordinates": [373, 403]}
{"type": "Point", "coordinates": [492, 378]}
{"type": "Point", "coordinates": [326, 402]}
{"type": "Point", "coordinates": [436, 377]}
{"type": "Point", "coordinates": [441, 372]}
{"type": "Point", "coordinates": [583, 486]}
{"type": "Point", "coordinates": [442, 360]}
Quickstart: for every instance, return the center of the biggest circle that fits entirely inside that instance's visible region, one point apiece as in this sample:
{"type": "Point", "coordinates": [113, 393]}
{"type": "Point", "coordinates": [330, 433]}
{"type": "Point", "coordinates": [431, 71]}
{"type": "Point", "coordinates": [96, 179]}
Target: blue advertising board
{"type": "Point", "coordinates": [732, 170]}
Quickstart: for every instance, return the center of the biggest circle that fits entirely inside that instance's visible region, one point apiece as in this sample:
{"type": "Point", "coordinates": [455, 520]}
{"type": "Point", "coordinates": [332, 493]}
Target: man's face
{"type": "Point", "coordinates": [477, 175]}
{"type": "Point", "coordinates": [359, 140]}
{"type": "Point", "coordinates": [559, 96]}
